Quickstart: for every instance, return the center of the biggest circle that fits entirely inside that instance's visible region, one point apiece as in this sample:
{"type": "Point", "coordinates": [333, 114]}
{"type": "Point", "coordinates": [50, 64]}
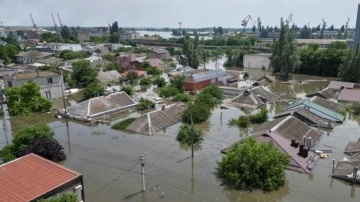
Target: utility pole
{"type": "Point", "coordinates": [192, 136]}
{"type": "Point", "coordinates": [142, 161]}
{"type": "Point", "coordinates": [65, 111]}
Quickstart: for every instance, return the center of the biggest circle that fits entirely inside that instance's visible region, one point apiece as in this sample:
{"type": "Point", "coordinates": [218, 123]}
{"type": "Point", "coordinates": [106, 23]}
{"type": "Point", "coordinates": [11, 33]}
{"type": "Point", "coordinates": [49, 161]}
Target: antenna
{"type": "Point", "coordinates": [32, 20]}
{"type": "Point", "coordinates": [180, 23]}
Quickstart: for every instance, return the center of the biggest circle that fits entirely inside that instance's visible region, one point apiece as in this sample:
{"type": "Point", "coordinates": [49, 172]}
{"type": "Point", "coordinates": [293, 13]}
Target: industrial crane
{"type": "Point", "coordinates": [56, 28]}
{"type": "Point", "coordinates": [245, 21]}
{"type": "Point", "coordinates": [289, 19]}
{"type": "Point", "coordinates": [61, 25]}
{"type": "Point", "coordinates": [32, 20]}
{"type": "Point", "coordinates": [258, 21]}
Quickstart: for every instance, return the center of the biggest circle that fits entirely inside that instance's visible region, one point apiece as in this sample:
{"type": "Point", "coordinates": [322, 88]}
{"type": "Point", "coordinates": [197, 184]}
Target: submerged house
{"type": "Point", "coordinates": [348, 169]}
{"type": "Point", "coordinates": [198, 81]}
{"type": "Point", "coordinates": [349, 95]}
{"type": "Point", "coordinates": [317, 109]}
{"type": "Point", "coordinates": [152, 122]}
{"type": "Point", "coordinates": [254, 97]}
{"type": "Point", "coordinates": [292, 137]}
{"type": "Point", "coordinates": [264, 81]}
{"type": "Point", "coordinates": [326, 93]}
{"type": "Point", "coordinates": [98, 107]}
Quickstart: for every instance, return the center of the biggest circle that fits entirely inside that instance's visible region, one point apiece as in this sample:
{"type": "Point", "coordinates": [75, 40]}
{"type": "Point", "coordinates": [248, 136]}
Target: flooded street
{"type": "Point", "coordinates": [109, 159]}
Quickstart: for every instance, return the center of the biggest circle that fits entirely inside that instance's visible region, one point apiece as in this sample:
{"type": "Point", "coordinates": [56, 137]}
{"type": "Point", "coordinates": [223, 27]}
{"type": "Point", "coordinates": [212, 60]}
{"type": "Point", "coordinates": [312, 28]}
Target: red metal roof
{"type": "Point", "coordinates": [31, 176]}
{"type": "Point", "coordinates": [349, 95]}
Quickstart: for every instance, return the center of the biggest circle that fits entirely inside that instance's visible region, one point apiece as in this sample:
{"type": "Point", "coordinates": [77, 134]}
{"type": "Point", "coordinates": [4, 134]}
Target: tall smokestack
{"type": "Point", "coordinates": [357, 28]}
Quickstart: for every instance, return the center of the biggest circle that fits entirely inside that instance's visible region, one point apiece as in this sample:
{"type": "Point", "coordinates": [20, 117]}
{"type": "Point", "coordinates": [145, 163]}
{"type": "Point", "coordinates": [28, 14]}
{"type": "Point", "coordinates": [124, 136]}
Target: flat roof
{"type": "Point", "coordinates": [30, 177]}
{"type": "Point", "coordinates": [32, 75]}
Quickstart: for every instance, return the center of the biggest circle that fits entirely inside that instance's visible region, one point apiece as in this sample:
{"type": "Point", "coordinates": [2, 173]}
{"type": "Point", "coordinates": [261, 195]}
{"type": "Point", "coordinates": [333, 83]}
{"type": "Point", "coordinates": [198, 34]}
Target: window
{"type": "Point", "coordinates": [10, 84]}
{"type": "Point", "coordinates": [48, 94]}
{"type": "Point", "coordinates": [50, 80]}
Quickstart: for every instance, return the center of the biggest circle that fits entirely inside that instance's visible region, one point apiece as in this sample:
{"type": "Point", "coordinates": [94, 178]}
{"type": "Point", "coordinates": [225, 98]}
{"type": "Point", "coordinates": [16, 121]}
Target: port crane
{"type": "Point", "coordinates": [245, 21]}
{"type": "Point", "coordinates": [55, 25]}
{"type": "Point", "coordinates": [32, 20]}
{"type": "Point", "coordinates": [289, 19]}
{"type": "Point", "coordinates": [61, 25]}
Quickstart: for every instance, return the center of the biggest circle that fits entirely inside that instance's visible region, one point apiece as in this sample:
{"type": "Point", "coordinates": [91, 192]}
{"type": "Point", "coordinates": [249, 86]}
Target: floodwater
{"type": "Point", "coordinates": [109, 159]}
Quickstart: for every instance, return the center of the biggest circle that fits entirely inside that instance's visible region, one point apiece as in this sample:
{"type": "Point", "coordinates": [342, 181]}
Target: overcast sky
{"type": "Point", "coordinates": [168, 13]}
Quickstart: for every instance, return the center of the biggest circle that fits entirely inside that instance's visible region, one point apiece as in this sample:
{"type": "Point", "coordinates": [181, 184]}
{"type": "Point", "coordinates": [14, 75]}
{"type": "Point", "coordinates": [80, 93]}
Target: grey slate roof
{"type": "Point", "coordinates": [158, 119]}
{"type": "Point", "coordinates": [107, 76]}
{"type": "Point", "coordinates": [256, 96]}
{"type": "Point", "coordinates": [98, 106]}
{"type": "Point", "coordinates": [336, 107]}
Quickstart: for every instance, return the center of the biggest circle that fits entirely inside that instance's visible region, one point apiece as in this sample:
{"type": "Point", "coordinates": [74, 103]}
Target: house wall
{"type": "Point", "coordinates": [47, 90]}
{"type": "Point", "coordinates": [197, 86]}
{"type": "Point", "coordinates": [256, 61]}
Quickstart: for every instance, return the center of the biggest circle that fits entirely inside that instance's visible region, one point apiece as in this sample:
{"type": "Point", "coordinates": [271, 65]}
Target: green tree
{"type": "Point", "coordinates": [11, 50]}
{"type": "Point", "coordinates": [114, 27]}
{"type": "Point", "coordinates": [11, 39]}
{"type": "Point", "coordinates": [145, 81]}
{"type": "Point", "coordinates": [109, 57]}
{"type": "Point", "coordinates": [210, 96]}
{"type": "Point", "coordinates": [204, 56]}
{"type": "Point", "coordinates": [159, 81]}
{"type": "Point", "coordinates": [93, 90]}
{"type": "Point", "coordinates": [65, 33]}
{"type": "Point", "coordinates": [27, 135]}
{"type": "Point", "coordinates": [114, 37]}
{"type": "Point", "coordinates": [189, 56]}
{"type": "Point", "coordinates": [145, 104]}
{"type": "Point", "coordinates": [83, 74]}
{"type": "Point", "coordinates": [195, 113]}
{"type": "Point", "coordinates": [254, 165]}
{"type": "Point", "coordinates": [178, 82]}
{"type": "Point", "coordinates": [349, 69]}
{"type": "Point", "coordinates": [26, 99]}
{"type": "Point", "coordinates": [285, 55]}
{"type": "Point", "coordinates": [168, 91]}
{"type": "Point", "coordinates": [70, 54]}
{"type": "Point", "coordinates": [181, 97]}
{"type": "Point", "coordinates": [128, 90]}
{"type": "Point", "coordinates": [188, 135]}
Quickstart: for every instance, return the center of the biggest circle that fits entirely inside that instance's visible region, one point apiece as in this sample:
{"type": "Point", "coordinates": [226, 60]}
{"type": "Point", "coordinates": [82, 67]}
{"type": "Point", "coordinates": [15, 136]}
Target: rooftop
{"type": "Point", "coordinates": [32, 75]}
{"type": "Point", "coordinates": [31, 176]}
{"type": "Point", "coordinates": [349, 95]}
{"type": "Point", "coordinates": [206, 75]}
{"type": "Point", "coordinates": [340, 85]}
{"type": "Point", "coordinates": [107, 76]}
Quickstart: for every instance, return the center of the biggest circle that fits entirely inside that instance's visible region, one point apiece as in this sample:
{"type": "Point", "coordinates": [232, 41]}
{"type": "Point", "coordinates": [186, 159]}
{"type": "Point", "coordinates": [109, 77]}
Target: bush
{"type": "Point", "coordinates": [188, 135]}
{"type": "Point", "coordinates": [145, 81]}
{"type": "Point", "coordinates": [6, 154]}
{"type": "Point", "coordinates": [145, 104]}
{"type": "Point", "coordinates": [61, 198]}
{"type": "Point", "coordinates": [128, 90]}
{"type": "Point", "coordinates": [181, 97]}
{"type": "Point", "coordinates": [260, 117]}
{"type": "Point", "coordinates": [198, 113]}
{"type": "Point", "coordinates": [93, 90]}
{"type": "Point", "coordinates": [45, 147]}
{"type": "Point", "coordinates": [27, 135]}
{"type": "Point", "coordinates": [254, 165]}
{"type": "Point", "coordinates": [355, 108]}
{"type": "Point", "coordinates": [168, 91]}
{"type": "Point", "coordinates": [159, 81]}
{"type": "Point", "coordinates": [122, 125]}
{"type": "Point", "coordinates": [241, 122]}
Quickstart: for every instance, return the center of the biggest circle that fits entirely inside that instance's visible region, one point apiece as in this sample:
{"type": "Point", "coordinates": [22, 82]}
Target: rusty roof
{"type": "Point", "coordinates": [30, 177]}
{"type": "Point", "coordinates": [349, 95]}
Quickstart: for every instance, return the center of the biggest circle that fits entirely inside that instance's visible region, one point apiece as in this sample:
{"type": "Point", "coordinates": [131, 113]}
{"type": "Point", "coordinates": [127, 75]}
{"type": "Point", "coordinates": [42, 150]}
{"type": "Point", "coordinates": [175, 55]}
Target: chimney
{"type": "Point", "coordinates": [294, 143]}
{"type": "Point", "coordinates": [301, 148]}
{"type": "Point", "coordinates": [304, 138]}
{"type": "Point", "coordinates": [309, 143]}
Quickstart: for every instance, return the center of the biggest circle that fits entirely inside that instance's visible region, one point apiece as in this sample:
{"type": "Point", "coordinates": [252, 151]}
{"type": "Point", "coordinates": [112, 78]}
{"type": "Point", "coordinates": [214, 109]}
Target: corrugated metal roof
{"type": "Point", "coordinates": [207, 75]}
{"type": "Point", "coordinates": [349, 95]}
{"type": "Point", "coordinates": [31, 176]}
{"type": "Point", "coordinates": [317, 109]}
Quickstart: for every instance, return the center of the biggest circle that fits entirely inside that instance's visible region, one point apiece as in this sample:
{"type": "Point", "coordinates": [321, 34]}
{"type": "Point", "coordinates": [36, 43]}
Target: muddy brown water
{"type": "Point", "coordinates": [109, 161]}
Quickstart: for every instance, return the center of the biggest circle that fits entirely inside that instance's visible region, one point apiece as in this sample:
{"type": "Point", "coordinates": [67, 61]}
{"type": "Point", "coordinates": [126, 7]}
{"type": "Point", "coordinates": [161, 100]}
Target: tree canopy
{"type": "Point", "coordinates": [189, 56]}
{"type": "Point", "coordinates": [252, 165]}
{"type": "Point", "coordinates": [285, 55]}
{"type": "Point", "coordinates": [26, 99]}
{"type": "Point", "coordinates": [349, 69]}
{"type": "Point", "coordinates": [188, 135]}
{"type": "Point", "coordinates": [83, 74]}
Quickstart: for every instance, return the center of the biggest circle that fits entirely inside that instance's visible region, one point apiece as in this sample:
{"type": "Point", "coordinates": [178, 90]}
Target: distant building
{"type": "Point", "coordinates": [198, 81]}
{"type": "Point", "coordinates": [50, 82]}
{"type": "Point", "coordinates": [325, 35]}
{"type": "Point", "coordinates": [156, 62]}
{"type": "Point", "coordinates": [83, 35]}
{"type": "Point", "coordinates": [29, 57]}
{"type": "Point", "coordinates": [31, 178]}
{"type": "Point", "coordinates": [257, 61]}
{"type": "Point", "coordinates": [160, 53]}
{"type": "Point", "coordinates": [128, 36]}
{"type": "Point", "coordinates": [58, 47]}
{"type": "Point", "coordinates": [323, 43]}
{"type": "Point", "coordinates": [128, 62]}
